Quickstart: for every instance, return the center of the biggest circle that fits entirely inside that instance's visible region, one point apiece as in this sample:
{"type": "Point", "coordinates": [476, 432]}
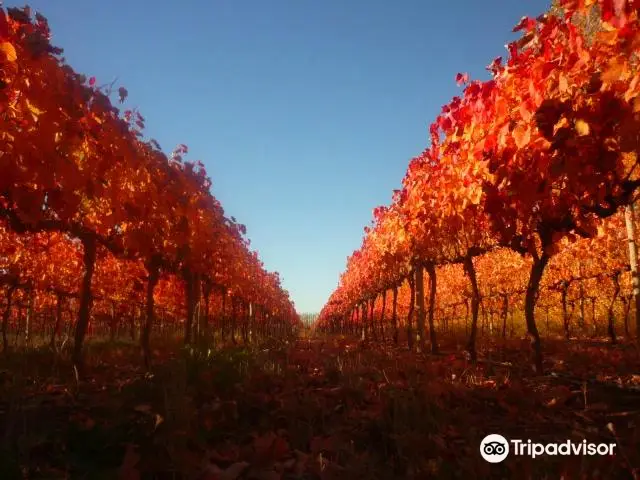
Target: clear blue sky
{"type": "Point", "coordinates": [304, 112]}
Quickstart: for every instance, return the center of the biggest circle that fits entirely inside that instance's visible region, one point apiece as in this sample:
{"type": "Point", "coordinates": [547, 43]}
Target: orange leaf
{"type": "Point", "coordinates": [521, 135]}
{"type": "Point", "coordinates": [582, 128]}
{"type": "Point", "coordinates": [617, 71]}
{"type": "Point", "coordinates": [9, 50]}
{"type": "Point", "coordinates": [524, 112]}
{"type": "Point", "coordinates": [563, 84]}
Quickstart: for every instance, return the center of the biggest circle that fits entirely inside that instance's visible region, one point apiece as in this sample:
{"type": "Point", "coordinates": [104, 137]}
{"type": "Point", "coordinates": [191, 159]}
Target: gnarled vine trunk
{"type": "Point", "coordinates": [431, 270]}
{"type": "Point", "coordinates": [475, 304]}
{"type": "Point", "coordinates": [531, 296]}
{"type": "Point", "coordinates": [372, 323]}
{"type": "Point", "coordinates": [205, 334]}
{"type": "Point", "coordinates": [84, 312]}
{"type": "Point", "coordinates": [223, 317]}
{"type": "Point", "coordinates": [153, 271]}
{"type": "Point", "coordinates": [192, 291]}
{"type": "Point", "coordinates": [234, 310]}
{"type": "Point", "coordinates": [412, 296]}
{"type": "Point", "coordinates": [394, 314]}
{"type": "Point", "coordinates": [420, 311]}
{"type": "Point", "coordinates": [5, 317]}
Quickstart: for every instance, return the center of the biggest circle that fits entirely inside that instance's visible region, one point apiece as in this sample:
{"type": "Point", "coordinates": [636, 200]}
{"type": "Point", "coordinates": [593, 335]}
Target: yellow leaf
{"type": "Point", "coordinates": [33, 109]}
{"type": "Point", "coordinates": [582, 128]}
{"type": "Point", "coordinates": [9, 50]}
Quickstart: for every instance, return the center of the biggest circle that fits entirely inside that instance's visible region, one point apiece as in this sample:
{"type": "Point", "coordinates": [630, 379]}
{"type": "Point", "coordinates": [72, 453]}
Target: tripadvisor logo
{"type": "Point", "coordinates": [495, 448]}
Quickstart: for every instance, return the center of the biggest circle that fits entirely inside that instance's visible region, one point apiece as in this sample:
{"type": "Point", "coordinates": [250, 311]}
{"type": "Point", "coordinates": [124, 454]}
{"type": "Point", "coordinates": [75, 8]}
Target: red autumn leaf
{"type": "Point", "coordinates": [462, 78]}
{"type": "Point", "coordinates": [495, 66]}
{"type": "Point", "coordinates": [526, 24]}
